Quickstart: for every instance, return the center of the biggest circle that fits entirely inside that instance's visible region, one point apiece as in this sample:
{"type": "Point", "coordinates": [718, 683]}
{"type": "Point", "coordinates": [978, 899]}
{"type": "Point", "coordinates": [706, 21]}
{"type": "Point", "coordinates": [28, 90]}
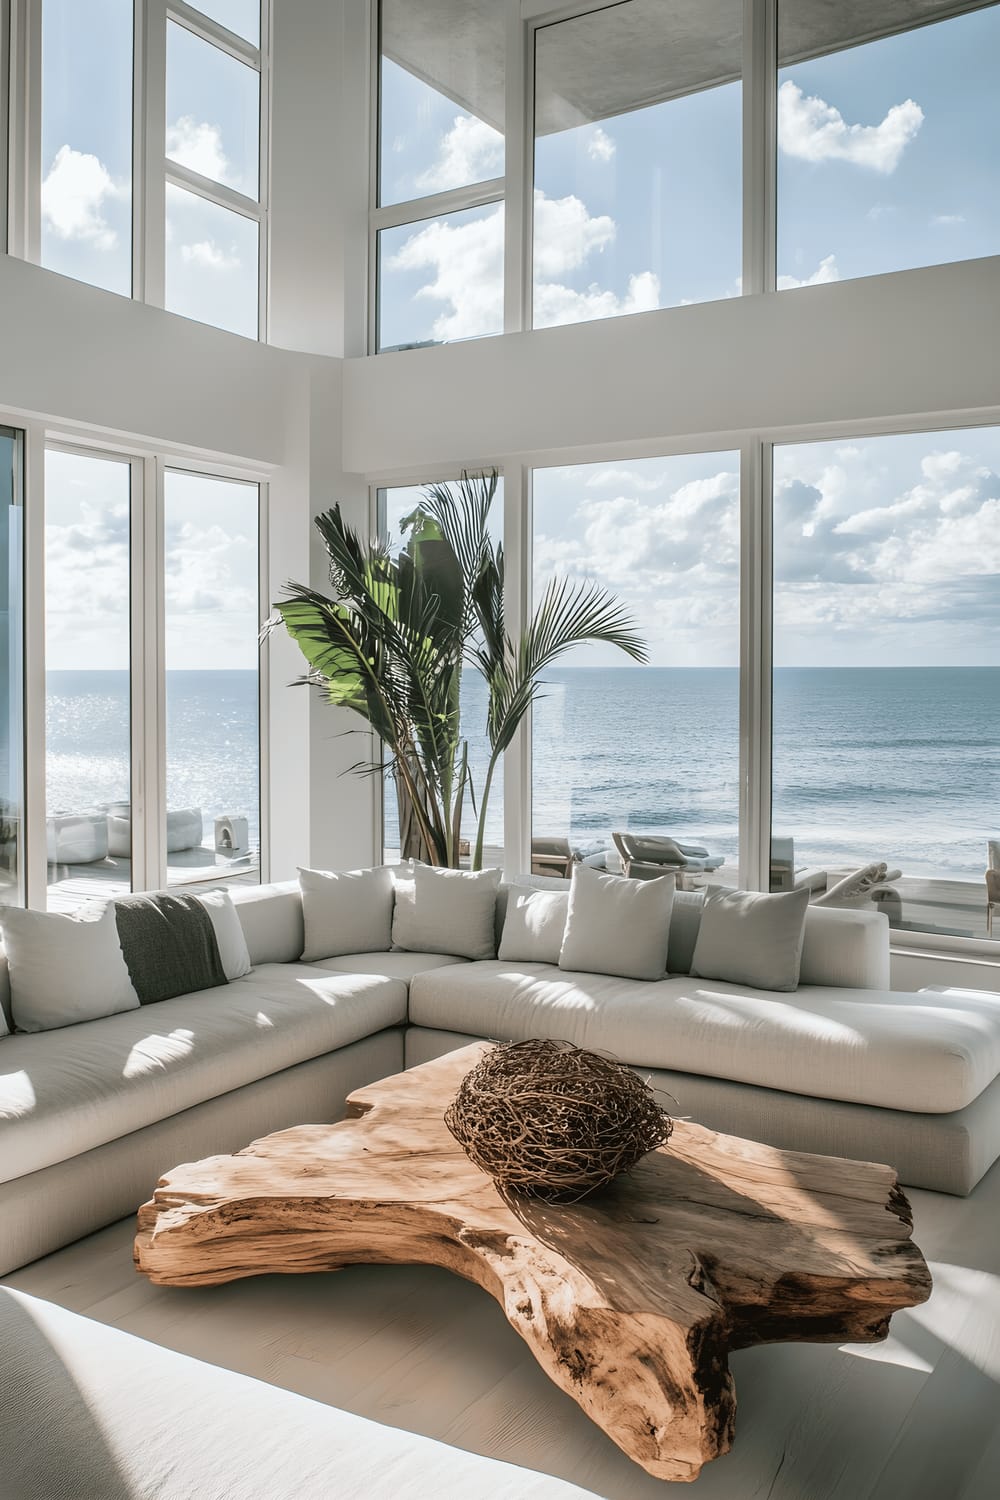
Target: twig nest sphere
{"type": "Point", "coordinates": [554, 1121]}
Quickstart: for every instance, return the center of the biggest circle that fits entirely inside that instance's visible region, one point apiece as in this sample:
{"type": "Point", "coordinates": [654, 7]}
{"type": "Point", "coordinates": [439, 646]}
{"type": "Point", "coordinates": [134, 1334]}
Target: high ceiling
{"type": "Point", "coordinates": [626, 56]}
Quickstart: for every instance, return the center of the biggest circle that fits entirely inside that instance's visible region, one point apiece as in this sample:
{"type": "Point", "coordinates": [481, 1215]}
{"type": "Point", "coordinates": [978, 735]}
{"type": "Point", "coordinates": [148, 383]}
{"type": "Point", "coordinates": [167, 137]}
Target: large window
{"type": "Point", "coordinates": [201, 177]}
{"type": "Point", "coordinates": [395, 504]}
{"type": "Point", "coordinates": [88, 680]}
{"type": "Point", "coordinates": [887, 670]}
{"type": "Point", "coordinates": [643, 751]}
{"type": "Point", "coordinates": [887, 148]}
{"type": "Point", "coordinates": [637, 201]}
{"type": "Point", "coordinates": [152, 759]}
{"type": "Point", "coordinates": [438, 226]}
{"type": "Point", "coordinates": [212, 690]}
{"type": "Point", "coordinates": [86, 149]}
{"type": "Point", "coordinates": [11, 670]}
{"type": "Point", "coordinates": [213, 171]}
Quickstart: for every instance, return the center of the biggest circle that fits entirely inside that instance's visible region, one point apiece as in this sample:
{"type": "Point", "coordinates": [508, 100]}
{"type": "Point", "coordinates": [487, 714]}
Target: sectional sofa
{"type": "Point", "coordinates": [91, 1114]}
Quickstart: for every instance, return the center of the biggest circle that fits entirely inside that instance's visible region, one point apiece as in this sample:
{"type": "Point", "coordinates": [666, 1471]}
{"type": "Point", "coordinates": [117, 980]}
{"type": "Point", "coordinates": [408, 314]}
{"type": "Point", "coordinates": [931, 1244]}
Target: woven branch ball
{"type": "Point", "coordinates": [554, 1121]}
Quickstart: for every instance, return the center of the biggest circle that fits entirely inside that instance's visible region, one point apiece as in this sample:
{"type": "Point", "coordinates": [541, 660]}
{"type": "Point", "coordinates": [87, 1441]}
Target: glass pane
{"type": "Point", "coordinates": [888, 151]}
{"type": "Point", "coordinates": [887, 672]}
{"type": "Point", "coordinates": [11, 671]}
{"type": "Point", "coordinates": [88, 757]}
{"type": "Point", "coordinates": [86, 193]}
{"type": "Point", "coordinates": [212, 256]}
{"type": "Point", "coordinates": [441, 280]}
{"type": "Point", "coordinates": [652, 751]}
{"type": "Point", "coordinates": [212, 620]}
{"type": "Point", "coordinates": [239, 16]}
{"type": "Point", "coordinates": [213, 111]}
{"type": "Point", "coordinates": [441, 97]}
{"type": "Point", "coordinates": [637, 159]}
{"type": "Point", "coordinates": [394, 504]}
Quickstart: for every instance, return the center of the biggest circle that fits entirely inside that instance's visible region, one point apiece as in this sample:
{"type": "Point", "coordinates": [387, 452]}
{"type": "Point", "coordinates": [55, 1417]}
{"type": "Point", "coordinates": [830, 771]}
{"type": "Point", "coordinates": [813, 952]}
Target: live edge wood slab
{"type": "Point", "coordinates": [630, 1301]}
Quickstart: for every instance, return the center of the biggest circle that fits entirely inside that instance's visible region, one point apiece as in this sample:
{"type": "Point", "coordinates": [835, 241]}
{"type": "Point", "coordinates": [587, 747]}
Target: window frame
{"type": "Point", "coordinates": [151, 171]}
{"type": "Point", "coordinates": [148, 463]}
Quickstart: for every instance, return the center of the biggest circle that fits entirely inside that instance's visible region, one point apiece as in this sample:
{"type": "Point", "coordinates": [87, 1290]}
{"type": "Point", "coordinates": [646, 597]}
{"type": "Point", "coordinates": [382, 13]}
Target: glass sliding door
{"type": "Point", "coordinates": [643, 752]}
{"type": "Point", "coordinates": [11, 671]}
{"type": "Point", "coordinates": [88, 761]}
{"type": "Point", "coordinates": [212, 620]}
{"type": "Point", "coordinates": [887, 672]}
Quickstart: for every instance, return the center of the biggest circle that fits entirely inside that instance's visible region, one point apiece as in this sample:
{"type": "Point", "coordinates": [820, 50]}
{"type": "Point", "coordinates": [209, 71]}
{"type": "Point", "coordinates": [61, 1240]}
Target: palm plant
{"type": "Point", "coordinates": [392, 642]}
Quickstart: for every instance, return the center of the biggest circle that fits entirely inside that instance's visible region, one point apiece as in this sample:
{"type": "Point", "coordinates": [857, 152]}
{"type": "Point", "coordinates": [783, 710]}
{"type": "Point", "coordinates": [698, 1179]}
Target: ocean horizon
{"type": "Point", "coordinates": [893, 763]}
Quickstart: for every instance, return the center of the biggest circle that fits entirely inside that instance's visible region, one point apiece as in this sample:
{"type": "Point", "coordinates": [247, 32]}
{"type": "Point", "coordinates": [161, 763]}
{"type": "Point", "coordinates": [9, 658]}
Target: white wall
{"type": "Point", "coordinates": [913, 346]}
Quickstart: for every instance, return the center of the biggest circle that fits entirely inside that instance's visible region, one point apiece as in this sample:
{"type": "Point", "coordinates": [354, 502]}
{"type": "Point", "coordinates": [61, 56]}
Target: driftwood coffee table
{"type": "Point", "coordinates": [630, 1301]}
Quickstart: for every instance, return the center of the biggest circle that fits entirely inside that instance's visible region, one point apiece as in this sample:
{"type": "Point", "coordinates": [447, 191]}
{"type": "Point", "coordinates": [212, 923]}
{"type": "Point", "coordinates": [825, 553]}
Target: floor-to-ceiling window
{"type": "Point", "coordinates": [651, 750]}
{"type": "Point", "coordinates": [181, 221]}
{"type": "Point", "coordinates": [888, 138]}
{"type": "Point", "coordinates": [88, 674]}
{"type": "Point", "coordinates": [396, 504]}
{"type": "Point", "coordinates": [212, 622]}
{"type": "Point", "coordinates": [11, 669]}
{"type": "Point", "coordinates": [637, 183]}
{"type": "Point", "coordinates": [886, 697]}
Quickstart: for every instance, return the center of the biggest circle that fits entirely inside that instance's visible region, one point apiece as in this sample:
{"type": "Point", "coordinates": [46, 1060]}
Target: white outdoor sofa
{"type": "Point", "coordinates": [92, 1114]}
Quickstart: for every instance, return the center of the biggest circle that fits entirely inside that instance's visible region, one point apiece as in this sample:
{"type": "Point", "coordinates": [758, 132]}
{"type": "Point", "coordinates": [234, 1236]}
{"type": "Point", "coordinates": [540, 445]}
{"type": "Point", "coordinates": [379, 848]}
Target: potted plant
{"type": "Point", "coordinates": [392, 641]}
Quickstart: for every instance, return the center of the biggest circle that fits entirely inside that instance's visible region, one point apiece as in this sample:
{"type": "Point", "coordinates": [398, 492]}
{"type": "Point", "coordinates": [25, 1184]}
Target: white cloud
{"type": "Point", "coordinates": [825, 272]}
{"type": "Point", "coordinates": [210, 256]}
{"type": "Point", "coordinates": [600, 146]}
{"type": "Point", "coordinates": [465, 262]}
{"type": "Point", "coordinates": [622, 479]}
{"type": "Point", "coordinates": [198, 146]}
{"type": "Point", "coordinates": [812, 130]}
{"type": "Point", "coordinates": [471, 151]}
{"type": "Point", "coordinates": [74, 193]}
{"type": "Point", "coordinates": [206, 570]}
{"type": "Point", "coordinates": [556, 304]}
{"type": "Point", "coordinates": [566, 234]}
{"type": "Point", "coordinates": [946, 221]}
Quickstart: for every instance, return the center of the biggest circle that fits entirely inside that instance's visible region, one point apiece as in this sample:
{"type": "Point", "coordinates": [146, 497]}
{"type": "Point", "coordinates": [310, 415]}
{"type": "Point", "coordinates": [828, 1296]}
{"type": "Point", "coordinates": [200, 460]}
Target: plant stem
{"type": "Point", "coordinates": [477, 858]}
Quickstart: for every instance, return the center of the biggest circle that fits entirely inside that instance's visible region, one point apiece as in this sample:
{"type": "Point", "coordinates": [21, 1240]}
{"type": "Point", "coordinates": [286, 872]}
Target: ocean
{"type": "Point", "coordinates": [893, 763]}
{"type": "Point", "coordinates": [212, 743]}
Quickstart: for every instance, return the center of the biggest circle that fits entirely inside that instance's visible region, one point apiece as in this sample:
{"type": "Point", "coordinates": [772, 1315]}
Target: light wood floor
{"type": "Point", "coordinates": [915, 1418]}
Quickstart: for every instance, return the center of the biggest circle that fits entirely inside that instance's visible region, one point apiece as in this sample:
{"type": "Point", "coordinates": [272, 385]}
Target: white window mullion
{"type": "Point", "coordinates": [34, 844]}
{"type": "Point", "coordinates": [152, 229]}
{"type": "Point", "coordinates": [264, 682]}
{"type": "Point", "coordinates": [24, 185]}
{"type": "Point", "coordinates": [517, 608]}
{"type": "Point", "coordinates": [755, 665]}
{"type": "Point", "coordinates": [151, 684]}
{"type": "Point", "coordinates": [519, 157]}
{"type": "Point", "coordinates": [138, 468]}
{"type": "Point", "coordinates": [760, 96]}
{"type": "Point", "coordinates": [264, 189]}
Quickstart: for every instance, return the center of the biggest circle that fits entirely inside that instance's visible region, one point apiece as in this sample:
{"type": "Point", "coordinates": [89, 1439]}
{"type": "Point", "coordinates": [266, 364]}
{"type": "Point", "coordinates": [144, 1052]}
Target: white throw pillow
{"type": "Point", "coordinates": [233, 951]}
{"type": "Point", "coordinates": [534, 926]}
{"type": "Point", "coordinates": [616, 925]}
{"type": "Point", "coordinates": [346, 911]}
{"type": "Point", "coordinates": [446, 911]}
{"type": "Point", "coordinates": [65, 969]}
{"type": "Point", "coordinates": [749, 937]}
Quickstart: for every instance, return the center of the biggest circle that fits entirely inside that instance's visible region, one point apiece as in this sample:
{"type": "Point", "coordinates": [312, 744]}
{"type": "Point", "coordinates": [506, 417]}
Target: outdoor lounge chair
{"type": "Point", "coordinates": [552, 857]}
{"type": "Point", "coordinates": [647, 858]}
{"type": "Point", "coordinates": [992, 897]}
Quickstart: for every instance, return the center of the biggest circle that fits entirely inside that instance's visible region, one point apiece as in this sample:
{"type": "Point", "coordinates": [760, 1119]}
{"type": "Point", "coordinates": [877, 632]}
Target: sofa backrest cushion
{"type": "Point", "coordinates": [6, 1016]}
{"type": "Point", "coordinates": [534, 926]}
{"type": "Point", "coordinates": [446, 911]}
{"type": "Point", "coordinates": [846, 949]}
{"type": "Point", "coordinates": [65, 969]}
{"type": "Point", "coordinates": [616, 925]}
{"type": "Point", "coordinates": [752, 937]}
{"type": "Point", "coordinates": [271, 918]}
{"type": "Point", "coordinates": [346, 911]}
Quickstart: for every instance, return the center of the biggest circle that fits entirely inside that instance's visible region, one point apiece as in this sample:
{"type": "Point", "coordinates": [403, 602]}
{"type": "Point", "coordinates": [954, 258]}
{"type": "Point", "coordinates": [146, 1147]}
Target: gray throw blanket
{"type": "Point", "coordinates": [169, 945]}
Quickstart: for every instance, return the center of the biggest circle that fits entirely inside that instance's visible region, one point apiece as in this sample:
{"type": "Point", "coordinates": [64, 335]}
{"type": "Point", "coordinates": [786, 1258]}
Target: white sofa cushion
{"type": "Point", "coordinates": [346, 911]}
{"type": "Point", "coordinates": [928, 1054]}
{"type": "Point", "coordinates": [65, 969]}
{"type": "Point", "coordinates": [617, 926]}
{"type": "Point", "coordinates": [66, 1091]}
{"type": "Point", "coordinates": [534, 925]}
{"type": "Point", "coordinates": [271, 918]}
{"type": "Point", "coordinates": [124, 1417]}
{"type": "Point", "coordinates": [750, 937]}
{"type": "Point", "coordinates": [393, 965]}
{"type": "Point", "coordinates": [446, 911]}
{"type": "Point", "coordinates": [234, 954]}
